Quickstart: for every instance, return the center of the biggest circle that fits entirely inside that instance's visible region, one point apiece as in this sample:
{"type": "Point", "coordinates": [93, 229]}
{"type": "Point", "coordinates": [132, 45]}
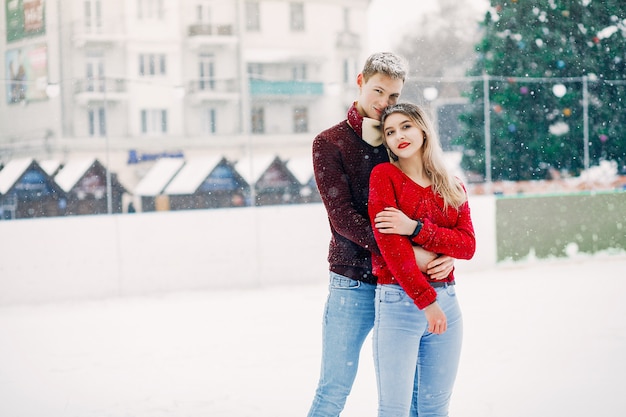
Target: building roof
{"type": "Point", "coordinates": [301, 168]}
{"type": "Point", "coordinates": [251, 169]}
{"type": "Point", "coordinates": [192, 175]}
{"type": "Point", "coordinates": [12, 172]}
{"type": "Point", "coordinates": [50, 166]}
{"type": "Point", "coordinates": [72, 172]}
{"type": "Point", "coordinates": [155, 181]}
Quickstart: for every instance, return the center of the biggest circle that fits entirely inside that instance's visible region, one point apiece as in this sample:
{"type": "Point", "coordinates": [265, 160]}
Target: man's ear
{"type": "Point", "coordinates": [359, 80]}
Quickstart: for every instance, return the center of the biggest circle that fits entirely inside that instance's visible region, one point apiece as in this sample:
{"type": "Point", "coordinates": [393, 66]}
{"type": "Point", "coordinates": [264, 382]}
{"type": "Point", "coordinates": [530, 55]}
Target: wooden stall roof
{"type": "Point", "coordinates": [251, 169]}
{"type": "Point", "coordinates": [72, 172]}
{"type": "Point", "coordinates": [301, 168]}
{"type": "Point", "coordinates": [50, 166]}
{"type": "Point", "coordinates": [159, 176]}
{"type": "Point", "coordinates": [192, 175]}
{"type": "Point", "coordinates": [11, 172]}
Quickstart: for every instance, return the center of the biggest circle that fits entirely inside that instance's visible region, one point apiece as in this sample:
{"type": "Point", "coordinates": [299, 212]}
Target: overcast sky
{"type": "Point", "coordinates": [390, 19]}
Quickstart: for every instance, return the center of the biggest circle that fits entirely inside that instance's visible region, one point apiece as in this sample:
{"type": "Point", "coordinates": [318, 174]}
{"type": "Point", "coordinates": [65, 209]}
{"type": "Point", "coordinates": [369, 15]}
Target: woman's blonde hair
{"type": "Point", "coordinates": [444, 183]}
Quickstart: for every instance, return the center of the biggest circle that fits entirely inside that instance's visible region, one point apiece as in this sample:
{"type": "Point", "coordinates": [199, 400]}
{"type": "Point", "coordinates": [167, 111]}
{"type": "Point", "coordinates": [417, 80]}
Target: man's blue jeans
{"type": "Point", "coordinates": [412, 365]}
{"type": "Point", "coordinates": [348, 319]}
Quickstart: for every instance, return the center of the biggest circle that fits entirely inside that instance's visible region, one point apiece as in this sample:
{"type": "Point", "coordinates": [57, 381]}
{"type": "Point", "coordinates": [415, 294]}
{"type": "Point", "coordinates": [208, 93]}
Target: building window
{"type": "Point", "coordinates": [206, 72]}
{"type": "Point", "coordinates": [153, 121]}
{"type": "Point", "coordinates": [94, 72]}
{"type": "Point", "coordinates": [255, 71]}
{"type": "Point", "coordinates": [203, 12]}
{"type": "Point", "coordinates": [349, 71]}
{"type": "Point", "coordinates": [253, 16]}
{"type": "Point", "coordinates": [93, 15]}
{"type": "Point", "coordinates": [346, 19]}
{"type": "Point", "coordinates": [300, 120]}
{"type": "Point", "coordinates": [152, 64]}
{"type": "Point", "coordinates": [297, 16]}
{"type": "Point", "coordinates": [97, 122]}
{"type": "Point", "coordinates": [150, 10]}
{"type": "Point", "coordinates": [209, 120]}
{"type": "Point", "coordinates": [258, 120]}
{"type": "Point", "coordinates": [299, 72]}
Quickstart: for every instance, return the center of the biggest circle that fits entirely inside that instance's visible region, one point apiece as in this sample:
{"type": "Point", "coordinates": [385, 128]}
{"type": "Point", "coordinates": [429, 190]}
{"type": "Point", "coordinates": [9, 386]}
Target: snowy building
{"type": "Point", "coordinates": [27, 191]}
{"type": "Point", "coordinates": [206, 183]}
{"type": "Point", "coordinates": [101, 78]}
{"type": "Point", "coordinates": [84, 182]}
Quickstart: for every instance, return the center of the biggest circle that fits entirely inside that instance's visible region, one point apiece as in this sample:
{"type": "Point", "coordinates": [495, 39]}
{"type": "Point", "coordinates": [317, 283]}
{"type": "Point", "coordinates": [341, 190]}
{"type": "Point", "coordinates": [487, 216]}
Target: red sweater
{"type": "Point", "coordinates": [446, 233]}
{"type": "Point", "coordinates": [342, 163]}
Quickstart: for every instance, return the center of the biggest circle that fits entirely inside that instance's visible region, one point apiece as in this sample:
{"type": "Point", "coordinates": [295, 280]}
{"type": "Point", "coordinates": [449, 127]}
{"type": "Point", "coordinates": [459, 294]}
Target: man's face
{"type": "Point", "coordinates": [377, 93]}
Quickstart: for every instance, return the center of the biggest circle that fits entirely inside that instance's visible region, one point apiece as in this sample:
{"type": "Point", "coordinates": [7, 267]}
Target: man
{"type": "Point", "coordinates": [343, 158]}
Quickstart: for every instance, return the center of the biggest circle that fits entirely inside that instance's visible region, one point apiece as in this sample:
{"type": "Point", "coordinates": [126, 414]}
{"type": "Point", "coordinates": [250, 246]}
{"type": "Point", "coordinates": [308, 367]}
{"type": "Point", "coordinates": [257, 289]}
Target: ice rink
{"type": "Point", "coordinates": [542, 338]}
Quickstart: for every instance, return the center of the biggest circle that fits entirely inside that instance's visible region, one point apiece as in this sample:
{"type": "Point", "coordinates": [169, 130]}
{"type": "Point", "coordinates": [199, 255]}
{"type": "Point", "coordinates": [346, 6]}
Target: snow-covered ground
{"type": "Point", "coordinates": [542, 338]}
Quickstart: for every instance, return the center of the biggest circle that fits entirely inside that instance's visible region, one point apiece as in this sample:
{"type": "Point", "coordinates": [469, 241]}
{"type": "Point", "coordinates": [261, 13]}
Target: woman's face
{"type": "Point", "coordinates": [403, 136]}
{"type": "Point", "coordinates": [377, 93]}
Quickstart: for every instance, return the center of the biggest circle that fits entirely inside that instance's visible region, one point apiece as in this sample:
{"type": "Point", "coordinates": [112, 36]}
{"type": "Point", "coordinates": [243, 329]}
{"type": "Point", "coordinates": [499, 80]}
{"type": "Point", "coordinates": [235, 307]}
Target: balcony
{"type": "Point", "coordinates": [264, 88]}
{"type": "Point", "coordinates": [203, 34]}
{"type": "Point", "coordinates": [100, 89]}
{"type": "Point", "coordinates": [211, 90]}
{"type": "Point", "coordinates": [97, 35]}
{"type": "Point", "coordinates": [348, 40]}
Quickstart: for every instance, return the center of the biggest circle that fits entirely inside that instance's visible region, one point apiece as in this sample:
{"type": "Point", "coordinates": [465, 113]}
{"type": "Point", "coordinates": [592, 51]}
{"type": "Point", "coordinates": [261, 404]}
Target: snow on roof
{"type": "Point", "coordinates": [51, 166]}
{"type": "Point", "coordinates": [72, 172]}
{"type": "Point", "coordinates": [191, 176]}
{"type": "Point", "coordinates": [11, 172]}
{"type": "Point", "coordinates": [251, 169]}
{"type": "Point", "coordinates": [153, 183]}
{"type": "Point", "coordinates": [301, 168]}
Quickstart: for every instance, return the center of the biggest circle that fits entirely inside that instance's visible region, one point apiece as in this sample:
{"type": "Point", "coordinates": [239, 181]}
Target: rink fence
{"type": "Point", "coordinates": [86, 257]}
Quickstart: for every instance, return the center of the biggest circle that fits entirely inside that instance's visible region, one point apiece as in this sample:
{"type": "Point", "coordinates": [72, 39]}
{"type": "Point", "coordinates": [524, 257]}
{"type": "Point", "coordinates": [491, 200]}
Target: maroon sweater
{"type": "Point", "coordinates": [342, 163]}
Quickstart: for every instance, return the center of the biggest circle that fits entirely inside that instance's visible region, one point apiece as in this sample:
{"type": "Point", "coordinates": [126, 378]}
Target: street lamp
{"type": "Point", "coordinates": [107, 148]}
{"type": "Point", "coordinates": [585, 123]}
{"type": "Point", "coordinates": [559, 90]}
{"type": "Point", "coordinates": [431, 93]}
{"type": "Point", "coordinates": [487, 115]}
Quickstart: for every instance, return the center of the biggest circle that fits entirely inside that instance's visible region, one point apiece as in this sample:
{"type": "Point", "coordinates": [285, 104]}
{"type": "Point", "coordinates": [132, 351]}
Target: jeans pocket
{"type": "Point", "coordinates": [451, 290]}
{"type": "Point", "coordinates": [340, 282]}
{"type": "Point", "coordinates": [392, 296]}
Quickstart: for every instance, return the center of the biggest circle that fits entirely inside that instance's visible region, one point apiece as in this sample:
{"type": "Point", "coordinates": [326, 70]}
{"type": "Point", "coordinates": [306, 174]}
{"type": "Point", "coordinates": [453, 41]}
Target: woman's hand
{"type": "Point", "coordinates": [393, 221]}
{"type": "Point", "coordinates": [437, 321]}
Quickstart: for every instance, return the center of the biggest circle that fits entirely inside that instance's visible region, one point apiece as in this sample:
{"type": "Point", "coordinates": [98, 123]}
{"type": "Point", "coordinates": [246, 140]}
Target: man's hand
{"type": "Point", "coordinates": [440, 268]}
{"type": "Point", "coordinates": [423, 258]}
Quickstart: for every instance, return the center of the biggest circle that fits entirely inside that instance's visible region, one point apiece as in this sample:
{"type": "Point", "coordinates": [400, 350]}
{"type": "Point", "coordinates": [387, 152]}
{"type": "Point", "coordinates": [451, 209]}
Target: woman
{"type": "Point", "coordinates": [418, 327]}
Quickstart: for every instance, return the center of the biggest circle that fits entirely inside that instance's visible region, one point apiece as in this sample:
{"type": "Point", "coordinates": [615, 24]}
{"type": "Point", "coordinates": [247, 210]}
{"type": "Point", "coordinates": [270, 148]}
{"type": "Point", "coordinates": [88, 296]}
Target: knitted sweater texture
{"type": "Point", "coordinates": [445, 232]}
{"type": "Point", "coordinates": [342, 162]}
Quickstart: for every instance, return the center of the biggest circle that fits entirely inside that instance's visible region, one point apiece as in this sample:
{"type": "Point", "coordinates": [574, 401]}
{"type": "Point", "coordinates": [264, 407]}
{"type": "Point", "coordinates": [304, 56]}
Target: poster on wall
{"type": "Point", "coordinates": [24, 19]}
{"type": "Point", "coordinates": [26, 73]}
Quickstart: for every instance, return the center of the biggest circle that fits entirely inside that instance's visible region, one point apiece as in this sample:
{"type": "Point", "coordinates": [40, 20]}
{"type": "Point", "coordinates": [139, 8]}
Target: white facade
{"type": "Point", "coordinates": [103, 77]}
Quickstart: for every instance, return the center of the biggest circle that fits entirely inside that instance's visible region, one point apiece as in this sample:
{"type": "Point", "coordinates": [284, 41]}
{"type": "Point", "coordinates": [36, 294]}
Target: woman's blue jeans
{"type": "Point", "coordinates": [415, 369]}
{"type": "Point", "coordinates": [348, 319]}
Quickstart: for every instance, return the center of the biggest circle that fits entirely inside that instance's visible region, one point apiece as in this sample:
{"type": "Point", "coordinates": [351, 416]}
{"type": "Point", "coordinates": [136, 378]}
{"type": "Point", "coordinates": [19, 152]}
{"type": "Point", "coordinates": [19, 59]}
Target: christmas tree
{"type": "Point", "coordinates": [556, 76]}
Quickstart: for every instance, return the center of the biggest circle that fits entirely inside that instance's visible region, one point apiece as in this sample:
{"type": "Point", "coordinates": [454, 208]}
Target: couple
{"type": "Point", "coordinates": [398, 219]}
